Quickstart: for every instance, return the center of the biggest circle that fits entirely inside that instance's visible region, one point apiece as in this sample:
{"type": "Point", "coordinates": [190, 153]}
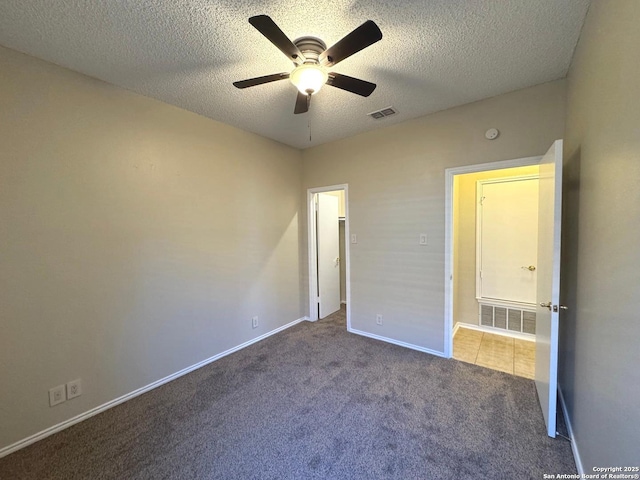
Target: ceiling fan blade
{"type": "Point", "coordinates": [366, 34]}
{"type": "Point", "coordinates": [269, 29]}
{"type": "Point", "coordinates": [252, 82]}
{"type": "Point", "coordinates": [350, 84]}
{"type": "Point", "coordinates": [302, 103]}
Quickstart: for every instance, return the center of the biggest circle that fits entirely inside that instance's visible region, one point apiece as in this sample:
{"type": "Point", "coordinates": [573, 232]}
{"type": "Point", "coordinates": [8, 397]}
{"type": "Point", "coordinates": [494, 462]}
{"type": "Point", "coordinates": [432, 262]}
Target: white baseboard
{"type": "Point", "coordinates": [105, 406]}
{"type": "Point", "coordinates": [396, 342]}
{"type": "Point", "coordinates": [495, 331]}
{"type": "Point", "coordinates": [574, 447]}
{"type": "Point", "coordinates": [456, 327]}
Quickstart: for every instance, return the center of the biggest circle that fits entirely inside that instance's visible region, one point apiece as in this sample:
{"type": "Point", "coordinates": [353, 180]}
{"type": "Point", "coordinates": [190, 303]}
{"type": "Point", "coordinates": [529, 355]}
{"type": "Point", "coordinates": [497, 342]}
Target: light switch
{"type": "Point", "coordinates": [423, 239]}
{"type": "Point", "coordinates": [354, 238]}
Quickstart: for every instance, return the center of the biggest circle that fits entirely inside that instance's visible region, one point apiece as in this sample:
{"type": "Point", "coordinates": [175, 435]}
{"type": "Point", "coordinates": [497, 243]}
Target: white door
{"type": "Point", "coordinates": [548, 289]}
{"type": "Point", "coordinates": [508, 239]}
{"type": "Point", "coordinates": [328, 255]}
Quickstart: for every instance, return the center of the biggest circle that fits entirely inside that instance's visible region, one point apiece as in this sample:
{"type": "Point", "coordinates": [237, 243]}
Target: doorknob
{"type": "Point", "coordinates": [554, 307]}
{"type": "Point", "coordinates": [531, 268]}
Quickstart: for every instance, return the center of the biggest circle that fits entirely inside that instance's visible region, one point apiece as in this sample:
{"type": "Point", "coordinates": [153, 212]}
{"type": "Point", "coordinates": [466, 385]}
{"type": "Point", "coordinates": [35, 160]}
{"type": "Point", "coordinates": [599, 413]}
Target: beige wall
{"type": "Point", "coordinates": [137, 239]}
{"type": "Point", "coordinates": [396, 191]}
{"type": "Point", "coordinates": [465, 306]}
{"type": "Point", "coordinates": [599, 358]}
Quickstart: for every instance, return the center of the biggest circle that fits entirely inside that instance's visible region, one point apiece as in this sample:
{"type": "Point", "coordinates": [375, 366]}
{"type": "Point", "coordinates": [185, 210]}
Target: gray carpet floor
{"type": "Point", "coordinates": [312, 402]}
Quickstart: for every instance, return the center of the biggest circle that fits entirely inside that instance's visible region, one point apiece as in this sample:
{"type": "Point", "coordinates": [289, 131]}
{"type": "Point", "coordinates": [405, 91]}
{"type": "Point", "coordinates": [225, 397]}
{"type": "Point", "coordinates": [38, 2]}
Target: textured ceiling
{"type": "Point", "coordinates": [435, 54]}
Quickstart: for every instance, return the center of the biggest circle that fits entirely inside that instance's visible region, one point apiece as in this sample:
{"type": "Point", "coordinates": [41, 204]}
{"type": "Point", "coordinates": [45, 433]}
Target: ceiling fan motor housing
{"type": "Point", "coordinates": [311, 48]}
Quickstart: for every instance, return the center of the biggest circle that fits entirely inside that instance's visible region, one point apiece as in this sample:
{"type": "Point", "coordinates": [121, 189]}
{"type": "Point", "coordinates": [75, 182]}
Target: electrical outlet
{"type": "Point", "coordinates": [74, 389]}
{"type": "Point", "coordinates": [423, 239]}
{"type": "Point", "coordinates": [379, 319]}
{"type": "Point", "coordinates": [57, 395]}
{"type": "Point", "coordinates": [254, 322]}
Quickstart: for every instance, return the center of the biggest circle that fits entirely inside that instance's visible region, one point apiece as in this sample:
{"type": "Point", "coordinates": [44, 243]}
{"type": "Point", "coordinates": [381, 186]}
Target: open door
{"type": "Point", "coordinates": [328, 255]}
{"type": "Point", "coordinates": [548, 286]}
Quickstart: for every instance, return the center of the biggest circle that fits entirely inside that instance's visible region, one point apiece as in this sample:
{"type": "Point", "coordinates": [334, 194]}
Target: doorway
{"type": "Point", "coordinates": [329, 260]}
{"type": "Point", "coordinates": [451, 255]}
{"type": "Point", "coordinates": [547, 301]}
{"type": "Point", "coordinates": [495, 220]}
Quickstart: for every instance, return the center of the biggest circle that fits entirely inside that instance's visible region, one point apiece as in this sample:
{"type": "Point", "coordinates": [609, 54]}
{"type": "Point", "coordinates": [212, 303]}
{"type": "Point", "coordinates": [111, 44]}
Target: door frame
{"type": "Point", "coordinates": [312, 252]}
{"type": "Point", "coordinates": [450, 173]}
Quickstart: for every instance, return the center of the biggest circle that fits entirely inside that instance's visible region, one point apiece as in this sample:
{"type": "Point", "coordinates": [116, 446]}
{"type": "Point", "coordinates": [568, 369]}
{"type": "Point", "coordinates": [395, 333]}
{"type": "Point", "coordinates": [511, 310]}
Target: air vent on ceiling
{"type": "Point", "coordinates": [385, 112]}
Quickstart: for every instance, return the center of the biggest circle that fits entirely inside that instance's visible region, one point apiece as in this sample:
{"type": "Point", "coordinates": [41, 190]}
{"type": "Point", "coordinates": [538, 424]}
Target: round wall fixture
{"type": "Point", "coordinates": [492, 134]}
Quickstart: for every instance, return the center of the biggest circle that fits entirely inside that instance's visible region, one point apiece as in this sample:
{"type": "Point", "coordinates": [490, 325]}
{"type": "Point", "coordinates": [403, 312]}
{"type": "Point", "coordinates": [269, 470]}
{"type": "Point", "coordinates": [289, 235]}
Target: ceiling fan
{"type": "Point", "coordinates": [312, 59]}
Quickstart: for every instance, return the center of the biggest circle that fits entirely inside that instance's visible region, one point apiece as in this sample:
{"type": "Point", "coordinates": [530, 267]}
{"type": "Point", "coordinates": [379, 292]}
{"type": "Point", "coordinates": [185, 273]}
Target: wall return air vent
{"type": "Point", "coordinates": [385, 112]}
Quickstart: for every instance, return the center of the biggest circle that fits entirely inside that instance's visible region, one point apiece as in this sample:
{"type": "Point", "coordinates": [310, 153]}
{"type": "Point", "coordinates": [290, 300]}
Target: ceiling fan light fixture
{"type": "Point", "coordinates": [309, 78]}
{"type": "Point", "coordinates": [316, 59]}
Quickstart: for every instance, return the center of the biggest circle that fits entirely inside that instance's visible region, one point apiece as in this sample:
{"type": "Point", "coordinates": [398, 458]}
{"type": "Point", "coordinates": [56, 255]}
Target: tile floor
{"type": "Point", "coordinates": [514, 356]}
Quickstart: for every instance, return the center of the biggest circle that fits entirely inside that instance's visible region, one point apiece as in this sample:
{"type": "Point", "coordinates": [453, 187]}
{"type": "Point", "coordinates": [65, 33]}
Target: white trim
{"type": "Point", "coordinates": [450, 173]}
{"type": "Point", "coordinates": [493, 302]}
{"type": "Point", "coordinates": [456, 327]}
{"type": "Point", "coordinates": [513, 178]}
{"type": "Point", "coordinates": [311, 256]}
{"type": "Point", "coordinates": [117, 401]}
{"type": "Point", "coordinates": [574, 447]}
{"type": "Point", "coordinates": [397, 342]}
{"type": "Point", "coordinates": [496, 331]}
{"type": "Point", "coordinates": [499, 165]}
{"type": "Point", "coordinates": [478, 234]}
{"type": "Point", "coordinates": [312, 253]}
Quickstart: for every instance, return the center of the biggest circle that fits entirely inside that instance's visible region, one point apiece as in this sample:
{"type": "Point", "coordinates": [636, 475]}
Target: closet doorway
{"type": "Point", "coordinates": [495, 239]}
{"type": "Point", "coordinates": [328, 229]}
{"type": "Point", "coordinates": [547, 299]}
{"type": "Point", "coordinates": [547, 302]}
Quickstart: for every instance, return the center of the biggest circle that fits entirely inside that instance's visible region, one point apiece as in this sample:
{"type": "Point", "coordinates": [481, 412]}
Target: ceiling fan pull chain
{"type": "Point", "coordinates": [309, 116]}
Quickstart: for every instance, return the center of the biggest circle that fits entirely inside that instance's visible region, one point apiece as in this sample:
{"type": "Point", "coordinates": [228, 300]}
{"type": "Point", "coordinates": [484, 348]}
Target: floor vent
{"type": "Point", "coordinates": [385, 112]}
{"type": "Point", "coordinates": [508, 318]}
